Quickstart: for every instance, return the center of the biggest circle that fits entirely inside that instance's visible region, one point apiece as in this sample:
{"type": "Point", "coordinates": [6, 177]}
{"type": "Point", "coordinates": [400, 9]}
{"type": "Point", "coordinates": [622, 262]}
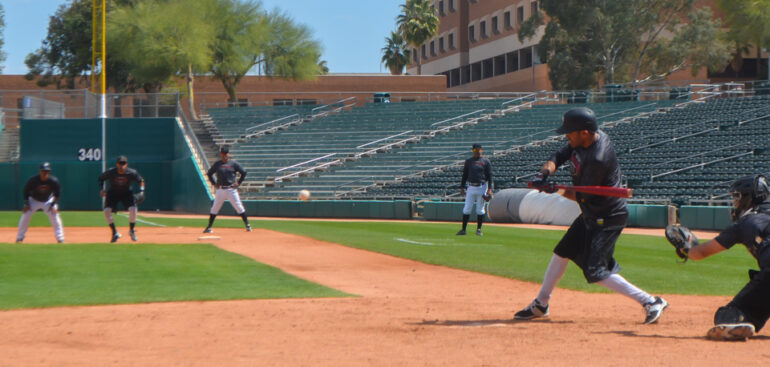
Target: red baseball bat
{"type": "Point", "coordinates": [620, 192]}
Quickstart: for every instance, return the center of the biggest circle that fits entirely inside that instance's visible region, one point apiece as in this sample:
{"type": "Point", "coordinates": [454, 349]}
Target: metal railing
{"type": "Point", "coordinates": [257, 126]}
{"type": "Point", "coordinates": [383, 139]}
{"type": "Point", "coordinates": [193, 137]}
{"type": "Point", "coordinates": [703, 164]}
{"type": "Point", "coordinates": [305, 162]}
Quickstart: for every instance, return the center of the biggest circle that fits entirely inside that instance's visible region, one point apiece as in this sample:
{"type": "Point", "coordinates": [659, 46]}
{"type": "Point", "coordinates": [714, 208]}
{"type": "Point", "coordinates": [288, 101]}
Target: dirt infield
{"type": "Point", "coordinates": [409, 314]}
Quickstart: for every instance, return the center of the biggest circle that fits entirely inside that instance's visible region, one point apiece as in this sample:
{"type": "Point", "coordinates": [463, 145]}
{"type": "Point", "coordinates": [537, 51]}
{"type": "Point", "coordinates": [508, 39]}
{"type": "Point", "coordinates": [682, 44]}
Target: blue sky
{"type": "Point", "coordinates": [352, 32]}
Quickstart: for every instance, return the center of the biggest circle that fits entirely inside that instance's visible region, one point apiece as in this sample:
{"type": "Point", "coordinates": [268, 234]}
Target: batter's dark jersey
{"type": "Point", "coordinates": [226, 173]}
{"type": "Point", "coordinates": [595, 165]}
{"type": "Point", "coordinates": [41, 190]}
{"type": "Point", "coordinates": [477, 171]}
{"type": "Point", "coordinates": [119, 182]}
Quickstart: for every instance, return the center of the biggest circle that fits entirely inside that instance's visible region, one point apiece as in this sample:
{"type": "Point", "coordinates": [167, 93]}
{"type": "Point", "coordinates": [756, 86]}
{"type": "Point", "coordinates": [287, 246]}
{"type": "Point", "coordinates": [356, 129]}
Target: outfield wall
{"type": "Point", "coordinates": [361, 209]}
{"type": "Point", "coordinates": [154, 147]}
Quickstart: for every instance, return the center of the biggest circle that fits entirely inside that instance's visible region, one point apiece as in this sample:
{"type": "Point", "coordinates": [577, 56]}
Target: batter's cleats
{"type": "Point", "coordinates": [654, 309]}
{"type": "Point", "coordinates": [740, 331]}
{"type": "Point", "coordinates": [115, 237]}
{"type": "Point", "coordinates": [60, 241]}
{"type": "Point", "coordinates": [132, 234]}
{"type": "Point", "coordinates": [478, 232]}
{"type": "Point", "coordinates": [533, 311]}
{"type": "Point", "coordinates": [248, 228]}
{"type": "Point", "coordinates": [461, 233]}
{"type": "Point", "coordinates": [207, 230]}
{"type": "Point", "coordinates": [19, 241]}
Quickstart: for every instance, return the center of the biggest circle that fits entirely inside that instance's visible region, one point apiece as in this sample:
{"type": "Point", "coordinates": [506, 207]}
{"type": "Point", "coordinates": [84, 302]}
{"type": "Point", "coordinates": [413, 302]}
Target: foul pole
{"type": "Point", "coordinates": [99, 47]}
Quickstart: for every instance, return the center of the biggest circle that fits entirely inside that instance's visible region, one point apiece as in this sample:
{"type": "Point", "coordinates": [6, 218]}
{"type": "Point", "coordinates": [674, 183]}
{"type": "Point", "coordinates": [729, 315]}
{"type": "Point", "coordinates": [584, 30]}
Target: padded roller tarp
{"type": "Point", "coordinates": [531, 206]}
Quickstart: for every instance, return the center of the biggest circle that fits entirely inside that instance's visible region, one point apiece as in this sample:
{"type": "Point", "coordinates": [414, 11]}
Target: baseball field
{"type": "Point", "coordinates": [343, 293]}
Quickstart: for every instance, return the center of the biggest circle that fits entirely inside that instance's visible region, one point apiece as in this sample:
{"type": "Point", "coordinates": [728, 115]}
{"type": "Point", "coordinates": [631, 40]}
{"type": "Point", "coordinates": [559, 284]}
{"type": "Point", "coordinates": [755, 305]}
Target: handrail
{"type": "Point", "coordinates": [312, 112]}
{"type": "Point", "coordinates": [193, 137]}
{"type": "Point", "coordinates": [653, 177]}
{"type": "Point", "coordinates": [383, 139]}
{"type": "Point", "coordinates": [305, 162]}
{"type": "Point", "coordinates": [696, 155]}
{"type": "Point", "coordinates": [251, 128]}
{"type": "Point", "coordinates": [518, 99]}
{"type": "Point", "coordinates": [279, 179]}
{"type": "Point", "coordinates": [457, 117]}
{"type": "Point", "coordinates": [627, 110]}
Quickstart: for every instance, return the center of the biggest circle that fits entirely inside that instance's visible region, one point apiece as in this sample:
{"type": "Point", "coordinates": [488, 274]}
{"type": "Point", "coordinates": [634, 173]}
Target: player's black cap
{"type": "Point", "coordinates": [577, 119]}
{"type": "Point", "coordinates": [45, 166]}
{"type": "Point", "coordinates": [476, 146]}
{"type": "Point", "coordinates": [224, 149]}
{"type": "Point", "coordinates": [122, 159]}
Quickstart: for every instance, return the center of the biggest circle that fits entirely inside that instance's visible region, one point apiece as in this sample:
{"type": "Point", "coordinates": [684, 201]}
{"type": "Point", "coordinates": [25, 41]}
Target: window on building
{"type": "Point", "coordinates": [534, 8]}
{"type": "Point", "coordinates": [472, 33]}
{"type": "Point", "coordinates": [451, 5]}
{"type": "Point", "coordinates": [465, 74]}
{"type": "Point", "coordinates": [414, 55]}
{"type": "Point", "coordinates": [483, 29]}
{"type": "Point", "coordinates": [526, 57]}
{"type": "Point", "coordinates": [454, 76]}
{"type": "Point", "coordinates": [476, 71]}
{"type": "Point", "coordinates": [512, 61]}
{"type": "Point", "coordinates": [507, 20]}
{"type": "Point", "coordinates": [499, 65]}
{"type": "Point", "coordinates": [451, 41]}
{"type": "Point", "coordinates": [520, 15]}
{"type": "Point", "coordinates": [283, 102]}
{"type": "Point", "coordinates": [433, 48]}
{"type": "Point", "coordinates": [307, 102]}
{"type": "Point", "coordinates": [441, 8]}
{"type": "Point", "coordinates": [441, 45]}
{"type": "Point", "coordinates": [495, 28]}
{"type": "Point", "coordinates": [424, 54]}
{"type": "Point", "coordinates": [487, 68]}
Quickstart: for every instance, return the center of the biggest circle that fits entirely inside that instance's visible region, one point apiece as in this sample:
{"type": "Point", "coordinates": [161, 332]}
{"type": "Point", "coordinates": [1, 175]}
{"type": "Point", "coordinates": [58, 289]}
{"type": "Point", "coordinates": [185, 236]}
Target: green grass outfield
{"type": "Point", "coordinates": [647, 261]}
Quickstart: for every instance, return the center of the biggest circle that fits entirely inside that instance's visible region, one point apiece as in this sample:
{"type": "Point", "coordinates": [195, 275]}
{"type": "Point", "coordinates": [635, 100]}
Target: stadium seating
{"type": "Point", "coordinates": [683, 155]}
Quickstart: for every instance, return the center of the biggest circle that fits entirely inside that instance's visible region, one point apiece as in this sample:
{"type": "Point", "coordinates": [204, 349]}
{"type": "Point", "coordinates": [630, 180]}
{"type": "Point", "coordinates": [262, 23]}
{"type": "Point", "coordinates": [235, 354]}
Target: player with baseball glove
{"type": "Point", "coordinates": [120, 178]}
{"type": "Point", "coordinates": [477, 178]}
{"type": "Point", "coordinates": [41, 192]}
{"type": "Point", "coordinates": [749, 310]}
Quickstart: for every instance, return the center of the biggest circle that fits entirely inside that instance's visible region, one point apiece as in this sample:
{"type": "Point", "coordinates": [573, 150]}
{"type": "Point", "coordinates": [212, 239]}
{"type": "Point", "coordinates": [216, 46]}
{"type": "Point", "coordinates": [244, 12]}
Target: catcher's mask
{"type": "Point", "coordinates": [747, 192]}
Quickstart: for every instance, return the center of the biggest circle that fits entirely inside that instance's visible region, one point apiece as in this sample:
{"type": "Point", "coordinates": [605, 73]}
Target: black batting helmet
{"type": "Point", "coordinates": [576, 119]}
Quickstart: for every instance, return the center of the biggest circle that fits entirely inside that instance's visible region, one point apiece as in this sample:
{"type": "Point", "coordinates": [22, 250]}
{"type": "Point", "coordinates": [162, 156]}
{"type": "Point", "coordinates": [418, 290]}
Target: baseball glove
{"type": "Point", "coordinates": [487, 197]}
{"type": "Point", "coordinates": [139, 197]}
{"type": "Point", "coordinates": [682, 239]}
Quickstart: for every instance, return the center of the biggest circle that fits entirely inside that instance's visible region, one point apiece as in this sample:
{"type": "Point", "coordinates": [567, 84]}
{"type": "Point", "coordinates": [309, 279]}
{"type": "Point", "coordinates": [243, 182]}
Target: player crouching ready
{"type": "Point", "coordinates": [749, 310]}
{"type": "Point", "coordinates": [120, 178]}
{"type": "Point", "coordinates": [41, 192]}
{"type": "Point", "coordinates": [590, 240]}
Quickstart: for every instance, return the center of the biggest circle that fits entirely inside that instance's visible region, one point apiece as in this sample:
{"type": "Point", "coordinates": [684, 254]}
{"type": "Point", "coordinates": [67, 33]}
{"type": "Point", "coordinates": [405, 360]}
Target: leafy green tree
{"type": "Point", "coordinates": [248, 37]}
{"type": "Point", "coordinates": [417, 23]}
{"type": "Point", "coordinates": [2, 40]}
{"type": "Point", "coordinates": [395, 54]}
{"type": "Point", "coordinates": [160, 40]}
{"type": "Point", "coordinates": [64, 59]}
{"type": "Point", "coordinates": [617, 41]}
{"type": "Point", "coordinates": [749, 22]}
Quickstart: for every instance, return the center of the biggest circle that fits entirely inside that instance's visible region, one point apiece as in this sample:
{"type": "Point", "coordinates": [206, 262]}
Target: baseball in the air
{"type": "Point", "coordinates": [304, 195]}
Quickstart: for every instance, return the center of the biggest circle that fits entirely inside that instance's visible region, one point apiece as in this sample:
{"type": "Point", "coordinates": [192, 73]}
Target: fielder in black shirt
{"type": "Point", "coordinates": [590, 240]}
{"type": "Point", "coordinates": [750, 308]}
{"type": "Point", "coordinates": [120, 179]}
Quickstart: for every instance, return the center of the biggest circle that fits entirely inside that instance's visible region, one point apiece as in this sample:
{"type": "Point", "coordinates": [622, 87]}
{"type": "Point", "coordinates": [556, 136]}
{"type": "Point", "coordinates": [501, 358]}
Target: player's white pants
{"type": "Point", "coordinates": [53, 218]}
{"type": "Point", "coordinates": [473, 195]}
{"type": "Point", "coordinates": [231, 194]}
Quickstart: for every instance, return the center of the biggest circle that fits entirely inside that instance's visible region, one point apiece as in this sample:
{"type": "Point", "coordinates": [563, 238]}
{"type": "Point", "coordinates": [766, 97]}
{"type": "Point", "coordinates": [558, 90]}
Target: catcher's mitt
{"type": "Point", "coordinates": [139, 197]}
{"type": "Point", "coordinates": [682, 239]}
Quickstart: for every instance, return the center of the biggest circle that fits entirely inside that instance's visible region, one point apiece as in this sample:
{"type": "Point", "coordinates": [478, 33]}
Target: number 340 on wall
{"type": "Point", "coordinates": [90, 154]}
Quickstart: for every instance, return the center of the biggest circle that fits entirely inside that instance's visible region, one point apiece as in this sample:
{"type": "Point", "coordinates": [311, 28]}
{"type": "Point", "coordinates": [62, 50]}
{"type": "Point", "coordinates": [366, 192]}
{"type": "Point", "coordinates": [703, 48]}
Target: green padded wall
{"type": "Point", "coordinates": [362, 209]}
{"type": "Point", "coordinates": [705, 217]}
{"type": "Point", "coordinates": [155, 147]}
{"type": "Point", "coordinates": [445, 211]}
{"type": "Point", "coordinates": [649, 216]}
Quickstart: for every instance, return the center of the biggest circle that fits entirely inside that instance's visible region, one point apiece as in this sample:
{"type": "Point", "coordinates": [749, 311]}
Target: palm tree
{"type": "Point", "coordinates": [417, 23]}
{"type": "Point", "coordinates": [323, 66]}
{"type": "Point", "coordinates": [395, 54]}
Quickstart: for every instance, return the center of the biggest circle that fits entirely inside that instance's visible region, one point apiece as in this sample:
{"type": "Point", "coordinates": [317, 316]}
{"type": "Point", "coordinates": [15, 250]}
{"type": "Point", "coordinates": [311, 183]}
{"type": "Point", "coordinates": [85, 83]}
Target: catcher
{"type": "Point", "coordinates": [750, 308]}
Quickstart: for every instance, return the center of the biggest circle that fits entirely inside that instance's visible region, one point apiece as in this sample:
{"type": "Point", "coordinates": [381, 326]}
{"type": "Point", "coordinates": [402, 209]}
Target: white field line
{"type": "Point", "coordinates": [140, 220]}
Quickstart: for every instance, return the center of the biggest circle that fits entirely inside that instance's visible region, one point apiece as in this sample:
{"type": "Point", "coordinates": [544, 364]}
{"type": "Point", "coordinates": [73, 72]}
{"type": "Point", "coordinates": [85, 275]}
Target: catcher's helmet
{"type": "Point", "coordinates": [581, 118]}
{"type": "Point", "coordinates": [750, 191]}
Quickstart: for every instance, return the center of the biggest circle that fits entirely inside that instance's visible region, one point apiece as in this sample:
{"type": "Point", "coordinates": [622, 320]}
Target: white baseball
{"type": "Point", "coordinates": [304, 195]}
